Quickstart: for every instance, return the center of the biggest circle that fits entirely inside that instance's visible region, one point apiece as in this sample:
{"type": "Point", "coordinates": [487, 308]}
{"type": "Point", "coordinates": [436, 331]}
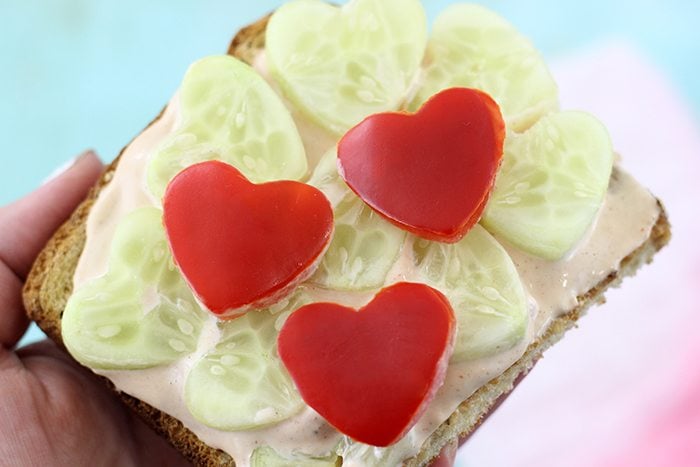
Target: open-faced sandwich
{"type": "Point", "coordinates": [344, 241]}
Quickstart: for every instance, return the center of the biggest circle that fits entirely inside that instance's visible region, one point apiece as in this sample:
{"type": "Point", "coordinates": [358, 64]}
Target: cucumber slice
{"type": "Point", "coordinates": [551, 185]}
{"type": "Point", "coordinates": [141, 313]}
{"type": "Point", "coordinates": [480, 280]}
{"type": "Point", "coordinates": [355, 453]}
{"type": "Point", "coordinates": [228, 112]}
{"type": "Point", "coordinates": [364, 246]}
{"type": "Point", "coordinates": [265, 456]}
{"type": "Point", "coordinates": [339, 65]}
{"type": "Point", "coordinates": [473, 47]}
{"type": "Point", "coordinates": [241, 384]}
{"type": "Point", "coordinates": [286, 306]}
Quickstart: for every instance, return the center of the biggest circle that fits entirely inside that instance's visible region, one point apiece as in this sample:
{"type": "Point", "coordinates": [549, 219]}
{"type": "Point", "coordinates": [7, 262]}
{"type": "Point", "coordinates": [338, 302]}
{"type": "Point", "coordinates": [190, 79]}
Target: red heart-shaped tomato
{"type": "Point", "coordinates": [238, 243]}
{"type": "Point", "coordinates": [431, 172]}
{"type": "Point", "coordinates": [371, 373]}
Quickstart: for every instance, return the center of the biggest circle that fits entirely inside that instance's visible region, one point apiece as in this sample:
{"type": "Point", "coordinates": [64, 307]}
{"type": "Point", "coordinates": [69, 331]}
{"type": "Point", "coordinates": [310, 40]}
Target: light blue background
{"type": "Point", "coordinates": [78, 74]}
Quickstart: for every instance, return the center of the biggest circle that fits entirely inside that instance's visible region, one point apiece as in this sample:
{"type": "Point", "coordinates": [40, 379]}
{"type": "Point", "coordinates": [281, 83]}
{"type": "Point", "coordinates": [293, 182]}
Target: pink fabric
{"type": "Point", "coordinates": [671, 435]}
{"type": "Point", "coordinates": [624, 388]}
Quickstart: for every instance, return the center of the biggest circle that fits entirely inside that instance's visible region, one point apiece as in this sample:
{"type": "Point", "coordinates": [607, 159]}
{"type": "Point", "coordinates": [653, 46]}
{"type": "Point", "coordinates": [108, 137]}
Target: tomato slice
{"type": "Point", "coordinates": [430, 172]}
{"type": "Point", "coordinates": [239, 244]}
{"type": "Point", "coordinates": [371, 373]}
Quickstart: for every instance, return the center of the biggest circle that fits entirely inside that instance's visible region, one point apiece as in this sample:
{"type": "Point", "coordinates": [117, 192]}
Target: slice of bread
{"type": "Point", "coordinates": [50, 284]}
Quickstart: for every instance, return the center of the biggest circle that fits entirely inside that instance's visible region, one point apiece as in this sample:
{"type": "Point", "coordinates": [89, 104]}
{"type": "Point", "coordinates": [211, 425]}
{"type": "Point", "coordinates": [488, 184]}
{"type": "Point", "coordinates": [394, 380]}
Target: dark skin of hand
{"type": "Point", "coordinates": [52, 411]}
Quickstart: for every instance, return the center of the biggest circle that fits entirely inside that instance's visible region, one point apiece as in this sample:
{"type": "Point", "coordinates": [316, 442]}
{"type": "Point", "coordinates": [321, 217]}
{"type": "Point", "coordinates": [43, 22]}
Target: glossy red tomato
{"type": "Point", "coordinates": [371, 372]}
{"type": "Point", "coordinates": [430, 172]}
{"type": "Point", "coordinates": [238, 243]}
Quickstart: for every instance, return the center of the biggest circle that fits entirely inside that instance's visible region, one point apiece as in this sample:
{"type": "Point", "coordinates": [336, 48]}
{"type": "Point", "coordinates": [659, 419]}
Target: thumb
{"type": "Point", "coordinates": [25, 226]}
{"type": "Point", "coordinates": [28, 223]}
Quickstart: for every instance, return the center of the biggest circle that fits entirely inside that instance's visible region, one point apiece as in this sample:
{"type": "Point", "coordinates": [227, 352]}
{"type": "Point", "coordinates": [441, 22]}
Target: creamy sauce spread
{"type": "Point", "coordinates": [623, 223]}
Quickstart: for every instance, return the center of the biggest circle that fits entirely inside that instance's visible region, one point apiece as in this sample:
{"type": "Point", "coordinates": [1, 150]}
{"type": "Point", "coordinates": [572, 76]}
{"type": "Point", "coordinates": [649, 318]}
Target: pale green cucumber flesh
{"type": "Point", "coordinates": [471, 46]}
{"type": "Point", "coordinates": [141, 313]}
{"type": "Point", "coordinates": [364, 246]}
{"type": "Point", "coordinates": [483, 287]}
{"type": "Point", "coordinates": [228, 112]}
{"type": "Point", "coordinates": [356, 453]}
{"type": "Point", "coordinates": [551, 185]}
{"type": "Point", "coordinates": [241, 384]}
{"type": "Point", "coordinates": [345, 63]}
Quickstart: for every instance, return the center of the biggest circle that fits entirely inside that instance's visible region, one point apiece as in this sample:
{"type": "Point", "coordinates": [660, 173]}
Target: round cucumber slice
{"type": "Point", "coordinates": [339, 65]}
{"type": "Point", "coordinates": [473, 47]}
{"type": "Point", "coordinates": [141, 313]}
{"type": "Point", "coordinates": [364, 246]}
{"type": "Point", "coordinates": [551, 185]}
{"type": "Point", "coordinates": [480, 280]}
{"type": "Point", "coordinates": [228, 112]}
{"type": "Point", "coordinates": [265, 456]}
{"type": "Point", "coordinates": [241, 384]}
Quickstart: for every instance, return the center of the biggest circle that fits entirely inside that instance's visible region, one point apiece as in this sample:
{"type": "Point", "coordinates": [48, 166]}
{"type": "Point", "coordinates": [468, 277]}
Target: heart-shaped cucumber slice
{"type": "Point", "coordinates": [265, 456]}
{"type": "Point", "coordinates": [551, 185]}
{"type": "Point", "coordinates": [364, 246]}
{"type": "Point", "coordinates": [481, 282]}
{"type": "Point", "coordinates": [287, 305]}
{"type": "Point", "coordinates": [356, 453]}
{"type": "Point", "coordinates": [339, 65]}
{"type": "Point", "coordinates": [228, 112]}
{"type": "Point", "coordinates": [473, 47]}
{"type": "Point", "coordinates": [241, 384]}
{"type": "Point", "coordinates": [141, 313]}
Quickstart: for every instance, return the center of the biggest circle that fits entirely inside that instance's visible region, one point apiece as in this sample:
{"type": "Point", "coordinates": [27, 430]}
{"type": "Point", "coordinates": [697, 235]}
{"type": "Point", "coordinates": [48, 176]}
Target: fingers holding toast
{"type": "Point", "coordinates": [27, 225]}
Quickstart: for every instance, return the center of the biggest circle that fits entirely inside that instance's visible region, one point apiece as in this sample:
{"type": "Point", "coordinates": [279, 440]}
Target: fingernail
{"type": "Point", "coordinates": [66, 166]}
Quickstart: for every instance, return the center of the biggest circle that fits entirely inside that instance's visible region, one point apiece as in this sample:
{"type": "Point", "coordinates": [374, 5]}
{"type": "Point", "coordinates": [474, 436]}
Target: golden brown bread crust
{"type": "Point", "coordinates": [249, 40]}
{"type": "Point", "coordinates": [472, 411]}
{"type": "Point", "coordinates": [50, 284]}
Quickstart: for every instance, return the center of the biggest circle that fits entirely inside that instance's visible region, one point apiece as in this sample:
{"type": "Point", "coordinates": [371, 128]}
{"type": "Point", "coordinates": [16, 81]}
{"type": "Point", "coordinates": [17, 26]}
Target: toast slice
{"type": "Point", "coordinates": [50, 282]}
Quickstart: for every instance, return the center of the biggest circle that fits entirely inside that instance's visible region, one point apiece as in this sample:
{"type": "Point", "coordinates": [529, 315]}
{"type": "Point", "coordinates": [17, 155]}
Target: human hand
{"type": "Point", "coordinates": [53, 411]}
